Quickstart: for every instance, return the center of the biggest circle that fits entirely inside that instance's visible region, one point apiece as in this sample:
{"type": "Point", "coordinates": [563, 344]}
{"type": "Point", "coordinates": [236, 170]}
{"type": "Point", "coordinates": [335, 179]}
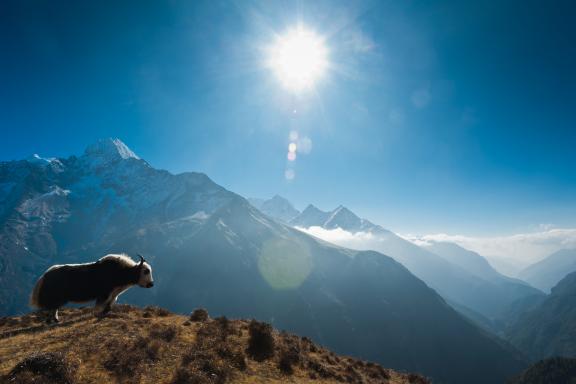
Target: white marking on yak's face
{"type": "Point", "coordinates": [146, 280]}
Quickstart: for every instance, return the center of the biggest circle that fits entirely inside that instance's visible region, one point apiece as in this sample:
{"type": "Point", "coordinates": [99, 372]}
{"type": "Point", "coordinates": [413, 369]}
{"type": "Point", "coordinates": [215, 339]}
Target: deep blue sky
{"type": "Point", "coordinates": [443, 116]}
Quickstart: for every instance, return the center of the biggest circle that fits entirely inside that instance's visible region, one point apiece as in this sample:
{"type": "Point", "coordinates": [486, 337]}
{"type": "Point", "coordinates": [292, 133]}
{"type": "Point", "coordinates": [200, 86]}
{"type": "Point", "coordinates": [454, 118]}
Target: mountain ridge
{"type": "Point", "coordinates": [210, 246]}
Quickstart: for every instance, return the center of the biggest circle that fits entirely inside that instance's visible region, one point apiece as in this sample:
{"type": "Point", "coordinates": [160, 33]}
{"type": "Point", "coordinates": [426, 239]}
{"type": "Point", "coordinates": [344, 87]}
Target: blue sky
{"type": "Point", "coordinates": [443, 116]}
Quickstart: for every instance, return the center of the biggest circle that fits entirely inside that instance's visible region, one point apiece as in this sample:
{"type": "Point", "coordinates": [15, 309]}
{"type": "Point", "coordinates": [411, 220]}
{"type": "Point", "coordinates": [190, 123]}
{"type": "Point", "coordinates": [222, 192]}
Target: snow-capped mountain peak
{"type": "Point", "coordinates": [52, 162]}
{"type": "Point", "coordinates": [277, 207]}
{"type": "Point", "coordinates": [109, 150]}
{"type": "Point", "coordinates": [343, 218]}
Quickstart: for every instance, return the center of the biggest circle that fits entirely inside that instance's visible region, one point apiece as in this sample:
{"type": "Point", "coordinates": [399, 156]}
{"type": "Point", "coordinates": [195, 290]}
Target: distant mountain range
{"type": "Point", "coordinates": [462, 277]}
{"type": "Point", "coordinates": [548, 272]}
{"type": "Point", "coordinates": [548, 328]}
{"type": "Point", "coordinates": [341, 217]}
{"type": "Point", "coordinates": [209, 247]}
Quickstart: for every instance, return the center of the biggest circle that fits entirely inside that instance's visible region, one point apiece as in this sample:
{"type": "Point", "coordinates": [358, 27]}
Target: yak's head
{"type": "Point", "coordinates": [145, 279]}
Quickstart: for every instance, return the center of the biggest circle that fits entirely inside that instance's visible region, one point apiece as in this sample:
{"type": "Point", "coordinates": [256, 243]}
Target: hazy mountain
{"type": "Point", "coordinates": [210, 247]}
{"type": "Point", "coordinates": [549, 328]}
{"type": "Point", "coordinates": [520, 296]}
{"type": "Point", "coordinates": [548, 272]}
{"type": "Point", "coordinates": [467, 281]}
{"type": "Point", "coordinates": [276, 207]}
{"type": "Point", "coordinates": [310, 216]}
{"type": "Point", "coordinates": [504, 265]}
{"type": "Point", "coordinates": [468, 260]}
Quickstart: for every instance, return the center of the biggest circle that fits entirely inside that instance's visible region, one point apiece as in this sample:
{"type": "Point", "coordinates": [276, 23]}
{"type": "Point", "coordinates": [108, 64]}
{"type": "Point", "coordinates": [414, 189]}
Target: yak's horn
{"type": "Point", "coordinates": [141, 259]}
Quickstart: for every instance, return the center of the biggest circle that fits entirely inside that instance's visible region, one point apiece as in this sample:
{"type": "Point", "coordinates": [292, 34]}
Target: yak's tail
{"type": "Point", "coordinates": [34, 297]}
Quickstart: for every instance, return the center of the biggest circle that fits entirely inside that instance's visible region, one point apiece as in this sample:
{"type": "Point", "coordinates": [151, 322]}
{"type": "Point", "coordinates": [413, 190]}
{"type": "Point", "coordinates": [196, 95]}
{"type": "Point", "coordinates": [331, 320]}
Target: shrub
{"type": "Point", "coordinates": [203, 364]}
{"type": "Point", "coordinates": [126, 360]}
{"type": "Point", "coordinates": [224, 325]}
{"type": "Point", "coordinates": [45, 368]}
{"type": "Point", "coordinates": [261, 342]}
{"type": "Point", "coordinates": [199, 315]}
{"type": "Point", "coordinates": [152, 310]}
{"type": "Point", "coordinates": [164, 332]}
{"type": "Point", "coordinates": [185, 376]}
{"type": "Point", "coordinates": [417, 379]}
{"type": "Point", "coordinates": [288, 358]}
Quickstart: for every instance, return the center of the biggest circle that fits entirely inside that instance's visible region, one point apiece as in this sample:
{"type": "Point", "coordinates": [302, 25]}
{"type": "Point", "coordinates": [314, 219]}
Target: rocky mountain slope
{"type": "Point", "coordinates": [548, 272]}
{"type": "Point", "coordinates": [210, 247]}
{"type": "Point", "coordinates": [549, 328]}
{"type": "Point", "coordinates": [152, 345]}
{"type": "Point", "coordinates": [555, 370]}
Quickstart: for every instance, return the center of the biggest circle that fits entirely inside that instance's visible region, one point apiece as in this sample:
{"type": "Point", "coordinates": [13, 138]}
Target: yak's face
{"type": "Point", "coordinates": [146, 280]}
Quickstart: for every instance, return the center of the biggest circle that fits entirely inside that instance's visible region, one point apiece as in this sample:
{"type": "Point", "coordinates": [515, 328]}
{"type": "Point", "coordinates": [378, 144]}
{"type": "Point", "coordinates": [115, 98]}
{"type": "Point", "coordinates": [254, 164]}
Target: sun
{"type": "Point", "coordinates": [299, 58]}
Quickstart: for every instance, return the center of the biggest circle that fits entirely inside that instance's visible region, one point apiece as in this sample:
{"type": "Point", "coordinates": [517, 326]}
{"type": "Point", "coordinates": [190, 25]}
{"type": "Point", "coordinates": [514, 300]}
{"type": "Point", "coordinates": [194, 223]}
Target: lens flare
{"type": "Point", "coordinates": [284, 264]}
{"type": "Point", "coordinates": [289, 174]}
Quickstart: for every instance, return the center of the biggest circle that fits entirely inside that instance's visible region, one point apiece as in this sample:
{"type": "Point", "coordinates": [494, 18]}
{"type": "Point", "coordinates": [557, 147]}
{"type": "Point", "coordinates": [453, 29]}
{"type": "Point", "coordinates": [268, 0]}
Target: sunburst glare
{"type": "Point", "coordinates": [299, 58]}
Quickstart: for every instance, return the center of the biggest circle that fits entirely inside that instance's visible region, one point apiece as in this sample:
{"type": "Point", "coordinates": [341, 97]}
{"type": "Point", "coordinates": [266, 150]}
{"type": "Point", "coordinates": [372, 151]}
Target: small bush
{"type": "Point", "coordinates": [238, 360]}
{"type": "Point", "coordinates": [200, 364]}
{"type": "Point", "coordinates": [417, 379]}
{"type": "Point", "coordinates": [261, 342]}
{"type": "Point", "coordinates": [185, 376]}
{"type": "Point", "coordinates": [166, 333]}
{"type": "Point", "coordinates": [199, 315]}
{"type": "Point", "coordinates": [151, 310]}
{"type": "Point", "coordinates": [45, 368]}
{"type": "Point", "coordinates": [288, 358]}
{"type": "Point", "coordinates": [224, 325]}
{"type": "Point", "coordinates": [125, 359]}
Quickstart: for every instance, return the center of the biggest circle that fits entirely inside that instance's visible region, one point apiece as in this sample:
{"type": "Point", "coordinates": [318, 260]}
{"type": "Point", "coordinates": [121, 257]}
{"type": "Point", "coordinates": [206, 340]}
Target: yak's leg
{"type": "Point", "coordinates": [53, 316]}
{"type": "Point", "coordinates": [105, 305]}
{"type": "Point", "coordinates": [100, 308]}
{"type": "Point", "coordinates": [108, 306]}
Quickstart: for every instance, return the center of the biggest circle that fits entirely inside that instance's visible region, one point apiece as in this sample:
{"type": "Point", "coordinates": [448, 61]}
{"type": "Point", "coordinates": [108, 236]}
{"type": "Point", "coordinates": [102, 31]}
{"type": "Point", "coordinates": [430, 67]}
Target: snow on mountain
{"type": "Point", "coordinates": [276, 207]}
{"type": "Point", "coordinates": [59, 208]}
{"type": "Point", "coordinates": [107, 151]}
{"type": "Point", "coordinates": [310, 217]}
{"type": "Point", "coordinates": [341, 217]}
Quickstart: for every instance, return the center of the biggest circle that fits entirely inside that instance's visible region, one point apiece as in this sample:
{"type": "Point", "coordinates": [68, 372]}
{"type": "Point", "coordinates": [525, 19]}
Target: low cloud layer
{"type": "Point", "coordinates": [514, 251]}
{"type": "Point", "coordinates": [523, 248]}
{"type": "Point", "coordinates": [359, 240]}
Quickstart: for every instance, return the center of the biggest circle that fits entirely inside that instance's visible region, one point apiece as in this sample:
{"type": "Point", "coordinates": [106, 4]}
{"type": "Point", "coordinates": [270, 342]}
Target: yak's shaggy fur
{"type": "Point", "coordinates": [103, 281]}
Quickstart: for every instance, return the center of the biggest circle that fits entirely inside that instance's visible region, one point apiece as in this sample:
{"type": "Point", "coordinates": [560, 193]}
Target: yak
{"type": "Point", "coordinates": [102, 281]}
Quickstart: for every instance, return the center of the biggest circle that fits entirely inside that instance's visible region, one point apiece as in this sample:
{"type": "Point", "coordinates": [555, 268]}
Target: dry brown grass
{"type": "Point", "coordinates": [152, 345]}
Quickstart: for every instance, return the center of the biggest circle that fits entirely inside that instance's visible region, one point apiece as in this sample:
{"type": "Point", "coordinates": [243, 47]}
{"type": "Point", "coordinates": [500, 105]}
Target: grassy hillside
{"type": "Point", "coordinates": [152, 345]}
